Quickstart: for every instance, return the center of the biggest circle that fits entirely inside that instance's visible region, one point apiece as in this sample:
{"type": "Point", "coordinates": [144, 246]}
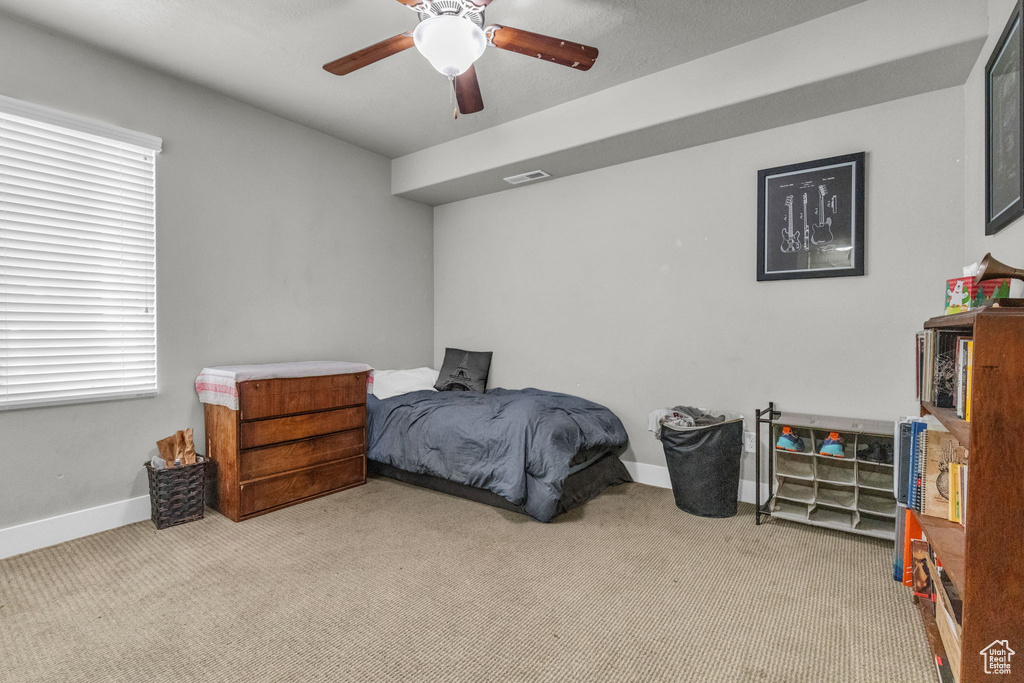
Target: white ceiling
{"type": "Point", "coordinates": [268, 53]}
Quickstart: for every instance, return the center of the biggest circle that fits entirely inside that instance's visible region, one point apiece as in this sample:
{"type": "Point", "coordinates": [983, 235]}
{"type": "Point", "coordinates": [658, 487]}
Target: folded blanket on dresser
{"type": "Point", "coordinates": [519, 445]}
{"type": "Point", "coordinates": [219, 385]}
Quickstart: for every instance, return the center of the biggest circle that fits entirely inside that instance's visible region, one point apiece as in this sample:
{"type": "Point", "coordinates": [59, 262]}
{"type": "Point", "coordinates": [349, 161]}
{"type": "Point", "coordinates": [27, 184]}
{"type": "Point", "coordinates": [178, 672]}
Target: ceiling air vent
{"type": "Point", "coordinates": [526, 177]}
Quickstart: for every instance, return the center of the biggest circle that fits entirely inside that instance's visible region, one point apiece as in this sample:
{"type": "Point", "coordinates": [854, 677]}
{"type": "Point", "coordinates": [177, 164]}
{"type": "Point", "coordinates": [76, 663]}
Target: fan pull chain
{"type": "Point", "coordinates": [451, 97]}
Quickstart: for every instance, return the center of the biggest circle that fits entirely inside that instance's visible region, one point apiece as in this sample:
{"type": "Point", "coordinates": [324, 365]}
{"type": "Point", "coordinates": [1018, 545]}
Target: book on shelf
{"type": "Point", "coordinates": [943, 671]}
{"type": "Point", "coordinates": [921, 450]}
{"type": "Point", "coordinates": [940, 450]}
{"type": "Point", "coordinates": [925, 364]}
{"type": "Point", "coordinates": [934, 573]}
{"type": "Point", "coordinates": [897, 555]}
{"type": "Point", "coordinates": [921, 572]}
{"type": "Point", "coordinates": [915, 460]}
{"type": "Point", "coordinates": [956, 492]}
{"type": "Point", "coordinates": [911, 466]}
{"type": "Point", "coordinates": [962, 362]}
{"type": "Point", "coordinates": [929, 340]}
{"type": "Point", "coordinates": [969, 379]}
{"type": "Point", "coordinates": [912, 531]}
{"type": "Point", "coordinates": [949, 636]}
{"type": "Point", "coordinates": [944, 368]}
{"type": "Point", "coordinates": [922, 364]}
{"type": "Point", "coordinates": [901, 459]}
{"type": "Point", "coordinates": [963, 496]}
{"type": "Point", "coordinates": [948, 595]}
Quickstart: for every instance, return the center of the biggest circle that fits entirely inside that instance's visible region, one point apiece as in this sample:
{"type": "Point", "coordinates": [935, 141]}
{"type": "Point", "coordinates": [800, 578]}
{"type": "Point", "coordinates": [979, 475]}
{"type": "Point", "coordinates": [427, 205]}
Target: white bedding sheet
{"type": "Point", "coordinates": [388, 383]}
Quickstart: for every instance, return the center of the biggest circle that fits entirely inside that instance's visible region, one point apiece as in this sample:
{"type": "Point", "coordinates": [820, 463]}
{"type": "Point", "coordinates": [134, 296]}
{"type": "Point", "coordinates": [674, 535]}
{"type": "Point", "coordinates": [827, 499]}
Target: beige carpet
{"type": "Point", "coordinates": [390, 582]}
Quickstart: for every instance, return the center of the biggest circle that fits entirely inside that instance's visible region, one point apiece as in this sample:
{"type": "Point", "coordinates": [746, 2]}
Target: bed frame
{"type": "Point", "coordinates": [579, 487]}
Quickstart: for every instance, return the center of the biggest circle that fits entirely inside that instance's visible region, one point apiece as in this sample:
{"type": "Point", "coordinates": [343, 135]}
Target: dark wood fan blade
{"type": "Point", "coordinates": [467, 92]}
{"type": "Point", "coordinates": [369, 55]}
{"type": "Point", "coordinates": [572, 55]}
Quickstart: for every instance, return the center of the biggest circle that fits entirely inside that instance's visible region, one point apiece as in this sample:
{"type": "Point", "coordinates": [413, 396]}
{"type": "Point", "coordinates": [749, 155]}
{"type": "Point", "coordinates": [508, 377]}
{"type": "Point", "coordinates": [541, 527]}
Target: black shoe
{"type": "Point", "coordinates": [875, 452]}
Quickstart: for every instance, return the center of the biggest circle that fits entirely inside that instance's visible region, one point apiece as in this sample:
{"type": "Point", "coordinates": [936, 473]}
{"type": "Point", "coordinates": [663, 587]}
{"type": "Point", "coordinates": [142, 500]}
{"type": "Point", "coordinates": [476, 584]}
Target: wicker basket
{"type": "Point", "coordinates": [176, 495]}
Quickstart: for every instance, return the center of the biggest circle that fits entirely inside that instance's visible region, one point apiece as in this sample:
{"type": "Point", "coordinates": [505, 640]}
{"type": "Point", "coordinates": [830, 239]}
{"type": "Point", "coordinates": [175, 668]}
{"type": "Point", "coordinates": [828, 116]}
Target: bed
{"type": "Point", "coordinates": [531, 451]}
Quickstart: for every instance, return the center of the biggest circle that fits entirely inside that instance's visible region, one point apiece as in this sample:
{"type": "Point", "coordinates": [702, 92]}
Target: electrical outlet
{"type": "Point", "coordinates": [749, 442]}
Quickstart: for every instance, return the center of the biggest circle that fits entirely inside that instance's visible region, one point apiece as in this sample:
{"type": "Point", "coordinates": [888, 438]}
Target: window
{"type": "Point", "coordinates": [77, 259]}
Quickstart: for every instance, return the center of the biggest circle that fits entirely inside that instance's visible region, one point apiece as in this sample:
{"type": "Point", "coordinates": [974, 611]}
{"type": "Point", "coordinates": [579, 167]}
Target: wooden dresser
{"type": "Point", "coordinates": [291, 440]}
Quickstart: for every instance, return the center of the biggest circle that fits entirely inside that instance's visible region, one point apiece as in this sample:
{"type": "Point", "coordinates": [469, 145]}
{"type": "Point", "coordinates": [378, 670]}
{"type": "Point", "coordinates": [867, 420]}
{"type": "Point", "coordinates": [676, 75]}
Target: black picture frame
{"type": "Point", "coordinates": [1004, 127]}
{"type": "Point", "coordinates": [826, 196]}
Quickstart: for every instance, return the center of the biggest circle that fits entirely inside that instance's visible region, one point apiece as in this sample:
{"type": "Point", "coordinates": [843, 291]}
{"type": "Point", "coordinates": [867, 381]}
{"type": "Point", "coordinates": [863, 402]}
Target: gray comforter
{"type": "Point", "coordinates": [519, 444]}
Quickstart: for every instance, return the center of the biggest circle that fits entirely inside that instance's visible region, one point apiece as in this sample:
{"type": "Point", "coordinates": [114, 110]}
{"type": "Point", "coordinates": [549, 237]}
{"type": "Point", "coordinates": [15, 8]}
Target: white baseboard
{"type": "Point", "coordinates": [652, 475]}
{"type": "Point", "coordinates": [657, 475]}
{"type": "Point", "coordinates": [23, 538]}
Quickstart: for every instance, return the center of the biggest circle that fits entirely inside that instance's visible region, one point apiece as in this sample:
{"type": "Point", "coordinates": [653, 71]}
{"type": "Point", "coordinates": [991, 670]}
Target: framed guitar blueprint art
{"type": "Point", "coordinates": [810, 219]}
{"type": "Point", "coordinates": [1004, 126]}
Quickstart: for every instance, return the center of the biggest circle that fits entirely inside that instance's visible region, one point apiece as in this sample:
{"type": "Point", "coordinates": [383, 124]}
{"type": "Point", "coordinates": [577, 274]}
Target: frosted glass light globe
{"type": "Point", "coordinates": [450, 43]}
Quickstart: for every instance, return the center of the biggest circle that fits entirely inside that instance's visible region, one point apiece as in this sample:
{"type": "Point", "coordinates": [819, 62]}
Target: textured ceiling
{"type": "Point", "coordinates": [268, 53]}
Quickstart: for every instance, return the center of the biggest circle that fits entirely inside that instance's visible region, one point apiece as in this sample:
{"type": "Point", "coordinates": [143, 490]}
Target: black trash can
{"type": "Point", "coordinates": [704, 466]}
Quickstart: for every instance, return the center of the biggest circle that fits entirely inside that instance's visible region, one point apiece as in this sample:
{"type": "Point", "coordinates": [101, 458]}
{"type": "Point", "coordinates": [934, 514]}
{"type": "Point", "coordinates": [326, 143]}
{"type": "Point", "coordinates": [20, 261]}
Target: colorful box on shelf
{"type": "Point", "coordinates": [962, 294]}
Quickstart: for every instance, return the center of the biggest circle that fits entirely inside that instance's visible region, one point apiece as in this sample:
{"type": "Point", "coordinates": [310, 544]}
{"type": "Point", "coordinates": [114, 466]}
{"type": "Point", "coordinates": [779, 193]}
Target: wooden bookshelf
{"type": "Point", "coordinates": [961, 429]}
{"type": "Point", "coordinates": [948, 540]}
{"type": "Point", "coordinates": [985, 560]}
{"type": "Point", "coordinates": [966, 320]}
{"type": "Point", "coordinates": [931, 630]}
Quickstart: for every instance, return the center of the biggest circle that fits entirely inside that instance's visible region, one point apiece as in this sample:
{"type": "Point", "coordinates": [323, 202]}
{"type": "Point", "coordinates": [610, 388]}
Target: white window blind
{"type": "Point", "coordinates": [77, 260]}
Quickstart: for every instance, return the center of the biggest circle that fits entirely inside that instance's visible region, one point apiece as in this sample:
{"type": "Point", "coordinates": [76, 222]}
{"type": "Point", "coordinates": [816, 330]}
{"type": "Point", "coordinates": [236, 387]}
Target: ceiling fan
{"type": "Point", "coordinates": [451, 35]}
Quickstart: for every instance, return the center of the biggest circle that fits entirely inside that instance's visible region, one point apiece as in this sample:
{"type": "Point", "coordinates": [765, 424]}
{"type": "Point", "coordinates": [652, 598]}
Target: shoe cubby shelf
{"type": "Point", "coordinates": [844, 493]}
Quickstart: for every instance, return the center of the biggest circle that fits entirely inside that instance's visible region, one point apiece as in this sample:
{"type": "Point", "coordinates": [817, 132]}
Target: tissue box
{"type": "Point", "coordinates": [963, 295]}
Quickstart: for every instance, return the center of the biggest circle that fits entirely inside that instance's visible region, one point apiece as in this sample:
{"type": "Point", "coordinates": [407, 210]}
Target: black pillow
{"type": "Point", "coordinates": [464, 371]}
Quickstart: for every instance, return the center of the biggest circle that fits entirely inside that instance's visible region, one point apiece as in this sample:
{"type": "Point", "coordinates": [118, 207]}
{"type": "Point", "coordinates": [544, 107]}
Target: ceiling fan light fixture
{"type": "Point", "coordinates": [450, 43]}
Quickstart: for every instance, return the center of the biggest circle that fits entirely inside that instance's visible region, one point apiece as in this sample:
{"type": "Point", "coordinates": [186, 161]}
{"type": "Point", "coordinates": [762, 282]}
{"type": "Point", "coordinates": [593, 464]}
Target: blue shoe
{"type": "Point", "coordinates": [788, 441]}
{"type": "Point", "coordinates": [833, 445]}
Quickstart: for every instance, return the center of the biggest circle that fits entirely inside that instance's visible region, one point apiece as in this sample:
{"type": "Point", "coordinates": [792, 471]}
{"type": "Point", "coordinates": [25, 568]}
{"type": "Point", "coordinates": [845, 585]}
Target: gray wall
{"type": "Point", "coordinates": [278, 243]}
{"type": "Point", "coordinates": [634, 285]}
{"type": "Point", "coordinates": [1008, 244]}
{"type": "Point", "coordinates": [274, 243]}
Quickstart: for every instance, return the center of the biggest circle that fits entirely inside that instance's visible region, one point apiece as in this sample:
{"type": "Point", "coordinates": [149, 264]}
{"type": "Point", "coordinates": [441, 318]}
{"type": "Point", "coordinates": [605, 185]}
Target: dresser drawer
{"type": "Point", "coordinates": [261, 398]}
{"type": "Point", "coordinates": [296, 486]}
{"type": "Point", "coordinates": [293, 427]}
{"type": "Point", "coordinates": [262, 462]}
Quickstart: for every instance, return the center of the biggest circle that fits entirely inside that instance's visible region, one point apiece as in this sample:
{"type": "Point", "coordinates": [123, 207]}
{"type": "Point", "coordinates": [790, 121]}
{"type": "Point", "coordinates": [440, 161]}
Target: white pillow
{"type": "Point", "coordinates": [388, 383]}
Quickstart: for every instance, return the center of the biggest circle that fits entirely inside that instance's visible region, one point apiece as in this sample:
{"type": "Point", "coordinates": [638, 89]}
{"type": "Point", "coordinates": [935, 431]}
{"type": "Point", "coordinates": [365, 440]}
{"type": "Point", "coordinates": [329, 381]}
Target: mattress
{"type": "Point", "coordinates": [520, 445]}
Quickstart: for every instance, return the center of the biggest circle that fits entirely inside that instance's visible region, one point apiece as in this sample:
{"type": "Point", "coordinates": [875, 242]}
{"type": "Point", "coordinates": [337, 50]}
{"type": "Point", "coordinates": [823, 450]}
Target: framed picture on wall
{"type": "Point", "coordinates": [810, 219]}
{"type": "Point", "coordinates": [1004, 127]}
